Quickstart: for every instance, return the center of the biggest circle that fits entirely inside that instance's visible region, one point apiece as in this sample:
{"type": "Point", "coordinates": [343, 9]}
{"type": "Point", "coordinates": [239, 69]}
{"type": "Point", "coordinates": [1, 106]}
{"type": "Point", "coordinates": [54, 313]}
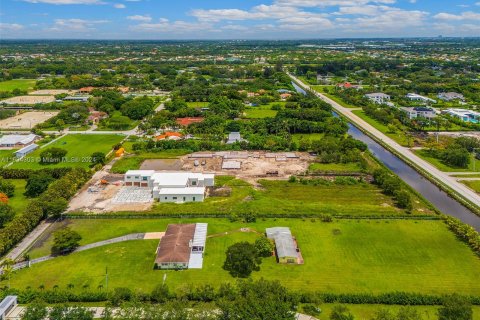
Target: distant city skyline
{"type": "Point", "coordinates": [229, 19]}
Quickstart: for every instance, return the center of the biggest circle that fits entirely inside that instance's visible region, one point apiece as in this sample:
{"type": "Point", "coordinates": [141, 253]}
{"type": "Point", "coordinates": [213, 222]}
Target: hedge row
{"type": "Point", "coordinates": [465, 232]}
{"type": "Point", "coordinates": [37, 209]}
{"type": "Point", "coordinates": [57, 173]}
{"type": "Point", "coordinates": [391, 298]}
{"type": "Point", "coordinates": [208, 293]}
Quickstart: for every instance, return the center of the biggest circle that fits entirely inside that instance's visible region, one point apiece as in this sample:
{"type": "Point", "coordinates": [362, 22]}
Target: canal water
{"type": "Point", "coordinates": [440, 199]}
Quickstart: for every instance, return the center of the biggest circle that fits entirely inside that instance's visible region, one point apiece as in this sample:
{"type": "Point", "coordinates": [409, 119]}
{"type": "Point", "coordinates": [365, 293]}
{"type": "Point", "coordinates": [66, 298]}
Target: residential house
{"type": "Point", "coordinates": [86, 90]}
{"type": "Point", "coordinates": [378, 97]}
{"type": "Point", "coordinates": [77, 98]}
{"type": "Point", "coordinates": [182, 247]}
{"type": "Point", "coordinates": [17, 140]}
{"type": "Point", "coordinates": [285, 245]}
{"type": "Point", "coordinates": [95, 116]}
{"type": "Point", "coordinates": [348, 85]}
{"type": "Point", "coordinates": [419, 112]}
{"type": "Point", "coordinates": [169, 135]}
{"type": "Point", "coordinates": [176, 187]}
{"type": "Point", "coordinates": [417, 97]}
{"type": "Point", "coordinates": [285, 96]}
{"type": "Point", "coordinates": [185, 122]}
{"type": "Point", "coordinates": [464, 115]}
{"type": "Point", "coordinates": [450, 96]}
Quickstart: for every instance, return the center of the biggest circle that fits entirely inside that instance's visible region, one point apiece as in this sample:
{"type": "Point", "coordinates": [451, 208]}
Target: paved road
{"type": "Point", "coordinates": [20, 248]}
{"type": "Point", "coordinates": [449, 181]}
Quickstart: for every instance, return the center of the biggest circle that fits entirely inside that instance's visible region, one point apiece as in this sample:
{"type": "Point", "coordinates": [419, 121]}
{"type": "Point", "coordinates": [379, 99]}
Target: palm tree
{"type": "Point", "coordinates": [85, 286]}
{"type": "Point", "coordinates": [41, 287]}
{"type": "Point", "coordinates": [70, 286]}
{"type": "Point", "coordinates": [55, 287]}
{"type": "Point", "coordinates": [100, 287]}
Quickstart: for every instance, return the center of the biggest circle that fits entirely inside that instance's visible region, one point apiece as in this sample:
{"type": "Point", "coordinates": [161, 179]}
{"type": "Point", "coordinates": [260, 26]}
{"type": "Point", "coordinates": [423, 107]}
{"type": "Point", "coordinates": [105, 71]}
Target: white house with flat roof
{"type": "Point", "coordinates": [175, 187]}
{"type": "Point", "coordinates": [464, 115]}
{"type": "Point", "coordinates": [417, 97]}
{"type": "Point", "coordinates": [378, 97]}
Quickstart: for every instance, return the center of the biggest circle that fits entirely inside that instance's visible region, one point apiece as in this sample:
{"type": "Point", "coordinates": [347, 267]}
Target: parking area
{"type": "Point", "coordinates": [133, 195]}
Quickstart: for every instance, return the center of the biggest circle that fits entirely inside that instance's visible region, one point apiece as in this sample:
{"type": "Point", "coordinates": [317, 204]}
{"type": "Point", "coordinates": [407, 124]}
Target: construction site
{"type": "Point", "coordinates": [106, 192]}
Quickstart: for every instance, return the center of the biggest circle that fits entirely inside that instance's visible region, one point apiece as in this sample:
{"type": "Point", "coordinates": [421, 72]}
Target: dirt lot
{"type": "Point", "coordinates": [161, 164]}
{"type": "Point", "coordinates": [253, 165]}
{"type": "Point", "coordinates": [27, 120]}
{"type": "Point", "coordinates": [98, 198]}
{"type": "Point", "coordinates": [29, 100]}
{"type": "Point", "coordinates": [50, 92]}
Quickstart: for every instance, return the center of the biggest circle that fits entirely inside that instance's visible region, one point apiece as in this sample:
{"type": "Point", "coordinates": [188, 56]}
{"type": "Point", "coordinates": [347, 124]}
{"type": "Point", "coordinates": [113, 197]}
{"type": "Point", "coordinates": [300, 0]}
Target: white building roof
{"type": "Point", "coordinates": [6, 303]}
{"type": "Point", "coordinates": [17, 138]}
{"type": "Point", "coordinates": [182, 191]}
{"type": "Point", "coordinates": [27, 149]}
{"type": "Point", "coordinates": [179, 179]}
{"type": "Point", "coordinates": [377, 94]}
{"type": "Point", "coordinates": [284, 242]}
{"type": "Point", "coordinates": [200, 237]}
{"type": "Point", "coordinates": [143, 173]}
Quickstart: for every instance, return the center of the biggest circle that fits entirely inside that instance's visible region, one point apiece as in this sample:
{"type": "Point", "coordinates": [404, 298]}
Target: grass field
{"type": "Point", "coordinates": [80, 147]}
{"type": "Point", "coordinates": [133, 162]}
{"type": "Point", "coordinates": [425, 155]}
{"type": "Point", "coordinates": [197, 104]}
{"type": "Point", "coordinates": [6, 156]}
{"type": "Point", "coordinates": [18, 201]}
{"type": "Point", "coordinates": [263, 111]}
{"type": "Point", "coordinates": [341, 256]}
{"type": "Point", "coordinates": [472, 184]}
{"type": "Point", "coordinates": [310, 136]}
{"type": "Point", "coordinates": [281, 197]}
{"type": "Point", "coordinates": [335, 167]}
{"type": "Point", "coordinates": [22, 84]}
{"type": "Point", "coordinates": [368, 311]}
{"type": "Point", "coordinates": [398, 136]}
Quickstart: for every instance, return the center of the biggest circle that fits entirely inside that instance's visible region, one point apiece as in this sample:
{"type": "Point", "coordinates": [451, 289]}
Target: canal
{"type": "Point", "coordinates": [440, 199]}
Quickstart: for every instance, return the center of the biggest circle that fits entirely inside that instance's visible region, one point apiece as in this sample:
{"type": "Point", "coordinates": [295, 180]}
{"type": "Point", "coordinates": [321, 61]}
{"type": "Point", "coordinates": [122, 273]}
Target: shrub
{"type": "Point", "coordinates": [242, 259]}
{"type": "Point", "coordinates": [7, 188]}
{"type": "Point", "coordinates": [37, 184]}
{"type": "Point", "coordinates": [6, 214]}
{"type": "Point", "coordinates": [264, 247]}
{"type": "Point", "coordinates": [52, 155]}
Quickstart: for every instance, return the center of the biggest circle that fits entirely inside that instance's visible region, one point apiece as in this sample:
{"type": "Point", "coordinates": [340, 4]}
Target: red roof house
{"type": "Point", "coordinates": [185, 122]}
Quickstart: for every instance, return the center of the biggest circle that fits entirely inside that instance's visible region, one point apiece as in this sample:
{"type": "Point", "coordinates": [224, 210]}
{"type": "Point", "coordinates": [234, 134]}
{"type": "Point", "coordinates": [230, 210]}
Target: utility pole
{"type": "Point", "coordinates": [106, 278]}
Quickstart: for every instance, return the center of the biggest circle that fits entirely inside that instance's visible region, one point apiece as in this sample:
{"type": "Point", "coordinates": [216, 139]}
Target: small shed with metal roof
{"type": "Point", "coordinates": [285, 245]}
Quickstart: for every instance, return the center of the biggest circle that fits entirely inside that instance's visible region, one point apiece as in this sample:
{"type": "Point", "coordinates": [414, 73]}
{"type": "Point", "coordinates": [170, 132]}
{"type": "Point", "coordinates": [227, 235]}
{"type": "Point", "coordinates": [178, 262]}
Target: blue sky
{"type": "Point", "coordinates": [236, 19]}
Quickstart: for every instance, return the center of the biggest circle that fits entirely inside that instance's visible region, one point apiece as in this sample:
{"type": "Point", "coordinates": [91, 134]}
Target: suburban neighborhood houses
{"type": "Point", "coordinates": [303, 179]}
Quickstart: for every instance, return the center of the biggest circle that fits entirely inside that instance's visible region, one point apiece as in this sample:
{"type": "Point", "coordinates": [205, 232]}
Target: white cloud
{"type": "Point", "coordinates": [138, 17]}
{"type": "Point", "coordinates": [468, 15]}
{"type": "Point", "coordinates": [119, 6]}
{"type": "Point", "coordinates": [176, 27]}
{"type": "Point", "coordinates": [10, 27]}
{"type": "Point", "coordinates": [329, 3]}
{"type": "Point", "coordinates": [75, 25]}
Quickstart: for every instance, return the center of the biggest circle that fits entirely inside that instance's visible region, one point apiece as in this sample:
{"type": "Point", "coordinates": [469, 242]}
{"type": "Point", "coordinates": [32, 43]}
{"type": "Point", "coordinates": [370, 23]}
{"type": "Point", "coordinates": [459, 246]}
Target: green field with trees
{"type": "Point", "coordinates": [79, 149]}
{"type": "Point", "coordinates": [340, 257]}
{"type": "Point", "coordinates": [20, 84]}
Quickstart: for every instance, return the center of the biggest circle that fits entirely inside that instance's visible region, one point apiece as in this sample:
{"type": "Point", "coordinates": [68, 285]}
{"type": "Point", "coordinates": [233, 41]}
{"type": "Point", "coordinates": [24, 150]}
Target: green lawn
{"type": "Point", "coordinates": [6, 156]}
{"type": "Point", "coordinates": [80, 147]}
{"type": "Point", "coordinates": [197, 104]}
{"type": "Point", "coordinates": [18, 201]}
{"type": "Point", "coordinates": [336, 167]}
{"type": "Point", "coordinates": [262, 111]}
{"type": "Point", "coordinates": [368, 311]}
{"type": "Point", "coordinates": [310, 136]}
{"type": "Point", "coordinates": [282, 197]}
{"type": "Point", "coordinates": [342, 256]}
{"type": "Point", "coordinates": [22, 84]}
{"type": "Point", "coordinates": [472, 184]}
{"type": "Point", "coordinates": [399, 136]}
{"type": "Point", "coordinates": [425, 155]}
{"type": "Point", "coordinates": [134, 161]}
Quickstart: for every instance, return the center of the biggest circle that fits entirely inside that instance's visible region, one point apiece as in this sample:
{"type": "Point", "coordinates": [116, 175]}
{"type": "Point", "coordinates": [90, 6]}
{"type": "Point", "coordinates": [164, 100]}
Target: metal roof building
{"type": "Point", "coordinates": [198, 246]}
{"type": "Point", "coordinates": [26, 150]}
{"type": "Point", "coordinates": [7, 305]}
{"type": "Point", "coordinates": [284, 244]}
